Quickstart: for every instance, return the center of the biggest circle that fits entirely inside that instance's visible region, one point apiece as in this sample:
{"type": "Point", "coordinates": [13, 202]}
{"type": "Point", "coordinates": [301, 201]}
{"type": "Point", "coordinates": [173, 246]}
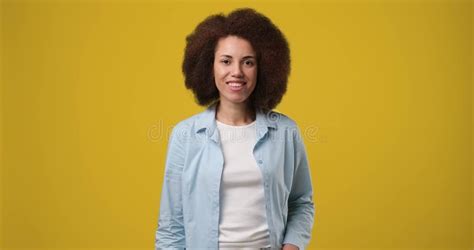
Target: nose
{"type": "Point", "coordinates": [237, 71]}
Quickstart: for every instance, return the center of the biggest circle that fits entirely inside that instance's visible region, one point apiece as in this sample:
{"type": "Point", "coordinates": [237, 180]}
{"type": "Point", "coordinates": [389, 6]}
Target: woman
{"type": "Point", "coordinates": [236, 175]}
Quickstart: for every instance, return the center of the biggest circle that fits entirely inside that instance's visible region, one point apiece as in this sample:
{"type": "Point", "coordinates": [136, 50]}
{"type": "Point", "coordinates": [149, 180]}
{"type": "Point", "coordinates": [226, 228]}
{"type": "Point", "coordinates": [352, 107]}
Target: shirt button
{"type": "Point", "coordinates": [260, 161]}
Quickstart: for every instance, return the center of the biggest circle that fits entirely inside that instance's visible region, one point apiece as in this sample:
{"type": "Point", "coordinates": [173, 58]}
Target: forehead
{"type": "Point", "coordinates": [234, 45]}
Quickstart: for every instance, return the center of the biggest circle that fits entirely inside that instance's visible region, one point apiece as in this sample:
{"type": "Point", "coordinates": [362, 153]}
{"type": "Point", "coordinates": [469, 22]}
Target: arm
{"type": "Point", "coordinates": [170, 232]}
{"type": "Point", "coordinates": [300, 201]}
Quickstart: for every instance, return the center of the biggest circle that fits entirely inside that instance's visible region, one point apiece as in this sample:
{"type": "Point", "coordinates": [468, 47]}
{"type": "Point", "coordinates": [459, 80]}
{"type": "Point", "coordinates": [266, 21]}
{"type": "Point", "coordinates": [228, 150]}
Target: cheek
{"type": "Point", "coordinates": [219, 78]}
{"type": "Point", "coordinates": [218, 74]}
{"type": "Point", "coordinates": [253, 74]}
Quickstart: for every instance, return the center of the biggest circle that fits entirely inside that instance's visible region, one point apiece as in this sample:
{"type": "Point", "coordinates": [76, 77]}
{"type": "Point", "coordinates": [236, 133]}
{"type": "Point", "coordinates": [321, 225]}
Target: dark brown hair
{"type": "Point", "coordinates": [271, 46]}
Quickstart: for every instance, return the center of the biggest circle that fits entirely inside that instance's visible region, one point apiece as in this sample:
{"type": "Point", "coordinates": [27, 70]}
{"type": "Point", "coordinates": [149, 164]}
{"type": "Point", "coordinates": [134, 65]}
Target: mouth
{"type": "Point", "coordinates": [236, 85]}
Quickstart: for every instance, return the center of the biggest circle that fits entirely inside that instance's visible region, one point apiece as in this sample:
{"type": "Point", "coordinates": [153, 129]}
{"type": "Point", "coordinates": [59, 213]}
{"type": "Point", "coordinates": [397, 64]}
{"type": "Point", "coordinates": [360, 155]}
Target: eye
{"type": "Point", "coordinates": [225, 61]}
{"type": "Point", "coordinates": [249, 63]}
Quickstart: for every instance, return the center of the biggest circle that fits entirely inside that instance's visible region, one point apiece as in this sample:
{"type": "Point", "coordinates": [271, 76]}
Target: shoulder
{"type": "Point", "coordinates": [286, 126]}
{"type": "Point", "coordinates": [189, 124]}
{"type": "Point", "coordinates": [181, 134]}
{"type": "Point", "coordinates": [281, 120]}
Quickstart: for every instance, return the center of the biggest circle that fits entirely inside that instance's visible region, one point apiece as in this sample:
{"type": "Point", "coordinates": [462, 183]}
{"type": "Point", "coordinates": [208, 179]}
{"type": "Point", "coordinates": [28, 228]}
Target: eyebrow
{"type": "Point", "coordinates": [245, 57]}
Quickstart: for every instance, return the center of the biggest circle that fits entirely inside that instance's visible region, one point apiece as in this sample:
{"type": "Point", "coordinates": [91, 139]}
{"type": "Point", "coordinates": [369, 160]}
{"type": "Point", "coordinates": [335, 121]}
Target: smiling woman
{"type": "Point", "coordinates": [237, 174]}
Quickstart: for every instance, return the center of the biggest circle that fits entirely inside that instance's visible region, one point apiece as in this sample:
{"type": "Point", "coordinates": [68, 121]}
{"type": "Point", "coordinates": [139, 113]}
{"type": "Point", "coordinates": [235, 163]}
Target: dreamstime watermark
{"type": "Point", "coordinates": [160, 132]}
{"type": "Point", "coordinates": [157, 132]}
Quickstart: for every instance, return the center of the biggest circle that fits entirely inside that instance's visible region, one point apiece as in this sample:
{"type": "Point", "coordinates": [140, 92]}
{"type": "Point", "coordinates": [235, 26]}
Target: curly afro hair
{"type": "Point", "coordinates": [271, 46]}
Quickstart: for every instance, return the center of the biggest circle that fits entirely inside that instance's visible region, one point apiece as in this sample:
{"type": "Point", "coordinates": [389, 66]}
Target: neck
{"type": "Point", "coordinates": [236, 114]}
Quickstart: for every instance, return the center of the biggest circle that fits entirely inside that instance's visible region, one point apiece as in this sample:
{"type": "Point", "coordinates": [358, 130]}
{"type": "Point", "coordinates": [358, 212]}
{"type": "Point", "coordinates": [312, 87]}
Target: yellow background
{"type": "Point", "coordinates": [382, 91]}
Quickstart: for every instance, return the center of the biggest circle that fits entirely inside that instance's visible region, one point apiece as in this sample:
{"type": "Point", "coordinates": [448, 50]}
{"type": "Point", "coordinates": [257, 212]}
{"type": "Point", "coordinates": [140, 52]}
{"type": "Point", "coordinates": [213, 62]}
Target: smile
{"type": "Point", "coordinates": [236, 85]}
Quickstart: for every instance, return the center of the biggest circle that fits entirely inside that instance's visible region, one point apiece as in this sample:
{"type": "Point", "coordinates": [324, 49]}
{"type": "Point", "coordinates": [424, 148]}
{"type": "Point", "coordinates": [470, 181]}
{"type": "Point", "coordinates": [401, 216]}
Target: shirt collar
{"type": "Point", "coordinates": [206, 122]}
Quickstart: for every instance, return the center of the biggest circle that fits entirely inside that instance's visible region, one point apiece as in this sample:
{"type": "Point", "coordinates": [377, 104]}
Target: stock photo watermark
{"type": "Point", "coordinates": [160, 131]}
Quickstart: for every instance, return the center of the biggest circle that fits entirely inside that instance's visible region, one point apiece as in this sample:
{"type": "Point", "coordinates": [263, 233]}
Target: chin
{"type": "Point", "coordinates": [237, 100]}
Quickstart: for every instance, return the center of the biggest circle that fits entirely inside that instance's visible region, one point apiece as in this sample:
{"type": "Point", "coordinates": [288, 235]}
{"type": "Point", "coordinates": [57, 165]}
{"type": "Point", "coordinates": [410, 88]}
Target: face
{"type": "Point", "coordinates": [235, 69]}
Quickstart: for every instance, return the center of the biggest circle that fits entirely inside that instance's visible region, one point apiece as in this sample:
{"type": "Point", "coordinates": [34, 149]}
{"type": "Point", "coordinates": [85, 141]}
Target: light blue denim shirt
{"type": "Point", "coordinates": [189, 207]}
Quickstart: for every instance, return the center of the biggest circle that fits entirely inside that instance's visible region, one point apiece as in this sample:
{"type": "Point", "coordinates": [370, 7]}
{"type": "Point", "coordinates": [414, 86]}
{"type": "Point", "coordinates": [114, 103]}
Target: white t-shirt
{"type": "Point", "coordinates": [242, 218]}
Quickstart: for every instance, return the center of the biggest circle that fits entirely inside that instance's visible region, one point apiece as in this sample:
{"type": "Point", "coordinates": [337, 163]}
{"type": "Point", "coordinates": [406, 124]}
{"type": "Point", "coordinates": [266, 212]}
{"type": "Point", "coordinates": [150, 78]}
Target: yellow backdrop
{"type": "Point", "coordinates": [381, 90]}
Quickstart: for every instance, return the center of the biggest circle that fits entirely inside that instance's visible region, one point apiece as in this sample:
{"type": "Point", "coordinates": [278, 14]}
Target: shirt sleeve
{"type": "Point", "coordinates": [170, 232]}
{"type": "Point", "coordinates": [300, 203]}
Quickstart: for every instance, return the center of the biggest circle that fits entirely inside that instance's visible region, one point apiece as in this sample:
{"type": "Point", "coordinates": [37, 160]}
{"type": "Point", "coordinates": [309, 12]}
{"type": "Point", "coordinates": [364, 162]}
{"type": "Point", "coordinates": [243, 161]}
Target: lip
{"type": "Point", "coordinates": [236, 88]}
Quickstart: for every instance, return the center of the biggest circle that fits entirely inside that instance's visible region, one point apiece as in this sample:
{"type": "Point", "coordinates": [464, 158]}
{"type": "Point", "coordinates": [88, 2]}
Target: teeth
{"type": "Point", "coordinates": [233, 84]}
